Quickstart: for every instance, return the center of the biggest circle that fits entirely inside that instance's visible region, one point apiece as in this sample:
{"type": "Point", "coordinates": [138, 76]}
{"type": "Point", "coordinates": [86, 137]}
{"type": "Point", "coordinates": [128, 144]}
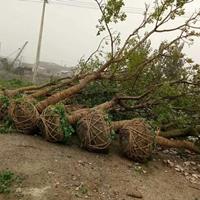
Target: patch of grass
{"type": "Point", "coordinates": [6, 180]}
{"type": "Point", "coordinates": [4, 101]}
{"type": "Point", "coordinates": [14, 83]}
{"type": "Point", "coordinates": [6, 126]}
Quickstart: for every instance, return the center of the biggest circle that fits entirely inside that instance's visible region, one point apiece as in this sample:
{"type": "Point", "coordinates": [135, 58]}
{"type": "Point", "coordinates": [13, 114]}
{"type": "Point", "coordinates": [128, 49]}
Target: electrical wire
{"type": "Point", "coordinates": [86, 5]}
{"type": "Point", "coordinates": [93, 6]}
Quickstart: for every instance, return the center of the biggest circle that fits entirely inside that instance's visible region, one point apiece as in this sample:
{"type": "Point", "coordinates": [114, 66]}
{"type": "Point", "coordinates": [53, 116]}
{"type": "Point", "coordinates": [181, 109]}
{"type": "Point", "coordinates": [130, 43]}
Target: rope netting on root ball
{"type": "Point", "coordinates": [4, 104]}
{"type": "Point", "coordinates": [136, 140]}
{"type": "Point", "coordinates": [24, 115]}
{"type": "Point", "coordinates": [54, 124]}
{"type": "Point", "coordinates": [94, 131]}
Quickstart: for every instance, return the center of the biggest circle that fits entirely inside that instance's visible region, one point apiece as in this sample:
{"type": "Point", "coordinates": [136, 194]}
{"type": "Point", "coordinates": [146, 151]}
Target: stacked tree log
{"type": "Point", "coordinates": [53, 120]}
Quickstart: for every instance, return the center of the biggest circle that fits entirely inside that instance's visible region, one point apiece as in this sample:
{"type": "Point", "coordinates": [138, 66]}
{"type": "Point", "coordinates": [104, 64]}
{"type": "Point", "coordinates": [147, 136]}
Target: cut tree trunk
{"type": "Point", "coordinates": [76, 115]}
{"type": "Point", "coordinates": [55, 98]}
{"type": "Point", "coordinates": [46, 90]}
{"type": "Point", "coordinates": [169, 126]}
{"type": "Point", "coordinates": [33, 88]}
{"type": "Point", "coordinates": [180, 132]}
{"type": "Point", "coordinates": [180, 144]}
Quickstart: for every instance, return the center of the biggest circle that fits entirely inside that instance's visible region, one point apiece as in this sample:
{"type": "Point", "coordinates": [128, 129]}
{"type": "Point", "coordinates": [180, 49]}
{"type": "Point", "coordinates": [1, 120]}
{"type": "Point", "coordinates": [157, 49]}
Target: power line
{"type": "Point", "coordinates": [126, 9]}
{"type": "Point", "coordinates": [93, 6]}
{"type": "Point", "coordinates": [86, 5]}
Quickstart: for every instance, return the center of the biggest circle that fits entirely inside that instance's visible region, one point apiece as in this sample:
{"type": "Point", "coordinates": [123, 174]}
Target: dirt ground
{"type": "Point", "coordinates": [61, 172]}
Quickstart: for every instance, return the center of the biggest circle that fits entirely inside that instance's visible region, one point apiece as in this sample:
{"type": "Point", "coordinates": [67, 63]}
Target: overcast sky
{"type": "Point", "coordinates": [69, 31]}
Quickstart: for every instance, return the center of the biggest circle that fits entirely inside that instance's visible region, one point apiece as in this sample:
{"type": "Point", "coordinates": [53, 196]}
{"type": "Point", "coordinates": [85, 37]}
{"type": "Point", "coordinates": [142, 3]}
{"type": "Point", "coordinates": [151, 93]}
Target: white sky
{"type": "Point", "coordinates": [69, 32]}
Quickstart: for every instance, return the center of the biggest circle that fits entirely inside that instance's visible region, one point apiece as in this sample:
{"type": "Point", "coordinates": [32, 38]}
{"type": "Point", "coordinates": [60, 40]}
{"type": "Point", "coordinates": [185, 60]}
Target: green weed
{"type": "Point", "coordinates": [6, 180]}
{"type": "Point", "coordinates": [6, 126]}
{"type": "Point", "coordinates": [14, 83]}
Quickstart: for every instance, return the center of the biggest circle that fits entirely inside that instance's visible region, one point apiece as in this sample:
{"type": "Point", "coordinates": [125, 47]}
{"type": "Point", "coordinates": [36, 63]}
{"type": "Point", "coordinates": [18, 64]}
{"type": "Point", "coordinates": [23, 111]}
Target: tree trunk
{"type": "Point", "coordinates": [180, 132]}
{"type": "Point", "coordinates": [177, 144]}
{"type": "Point", "coordinates": [119, 124]}
{"type": "Point", "coordinates": [169, 126]}
{"type": "Point", "coordinates": [51, 88]}
{"type": "Point", "coordinates": [55, 98]}
{"type": "Point", "coordinates": [11, 93]}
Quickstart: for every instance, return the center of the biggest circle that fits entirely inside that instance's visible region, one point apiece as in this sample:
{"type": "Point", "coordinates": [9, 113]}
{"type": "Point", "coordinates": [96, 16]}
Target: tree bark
{"type": "Point", "coordinates": [177, 144]}
{"type": "Point", "coordinates": [11, 93]}
{"type": "Point", "coordinates": [55, 98]}
{"type": "Point", "coordinates": [51, 88]}
{"type": "Point", "coordinates": [76, 115]}
{"type": "Point", "coordinates": [116, 125]}
{"type": "Point", "coordinates": [180, 132]}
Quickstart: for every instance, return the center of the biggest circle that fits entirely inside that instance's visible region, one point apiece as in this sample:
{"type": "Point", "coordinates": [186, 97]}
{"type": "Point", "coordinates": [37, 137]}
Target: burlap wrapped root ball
{"type": "Point", "coordinates": [136, 140]}
{"type": "Point", "coordinates": [24, 115]}
{"type": "Point", "coordinates": [94, 132]}
{"type": "Point", "coordinates": [4, 104]}
{"type": "Point", "coordinates": [54, 124]}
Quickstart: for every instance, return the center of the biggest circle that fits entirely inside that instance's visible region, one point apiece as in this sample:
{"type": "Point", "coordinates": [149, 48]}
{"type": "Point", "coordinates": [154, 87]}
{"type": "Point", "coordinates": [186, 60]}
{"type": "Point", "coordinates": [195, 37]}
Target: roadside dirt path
{"type": "Point", "coordinates": [60, 172]}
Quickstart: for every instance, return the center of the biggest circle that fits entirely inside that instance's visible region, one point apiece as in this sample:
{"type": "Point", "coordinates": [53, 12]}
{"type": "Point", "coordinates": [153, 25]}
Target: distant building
{"type": "Point", "coordinates": [45, 68]}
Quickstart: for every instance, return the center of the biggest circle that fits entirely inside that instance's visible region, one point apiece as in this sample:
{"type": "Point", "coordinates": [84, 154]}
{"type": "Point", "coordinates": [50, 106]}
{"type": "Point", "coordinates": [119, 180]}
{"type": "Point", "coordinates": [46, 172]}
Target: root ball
{"type": "Point", "coordinates": [94, 132]}
{"type": "Point", "coordinates": [54, 125]}
{"type": "Point", "coordinates": [24, 115]}
{"type": "Point", "coordinates": [136, 140]}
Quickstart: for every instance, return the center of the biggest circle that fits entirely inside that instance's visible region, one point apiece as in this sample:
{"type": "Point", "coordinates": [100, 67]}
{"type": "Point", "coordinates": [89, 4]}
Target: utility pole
{"type": "Point", "coordinates": [19, 53]}
{"type": "Point", "coordinates": [35, 69]}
